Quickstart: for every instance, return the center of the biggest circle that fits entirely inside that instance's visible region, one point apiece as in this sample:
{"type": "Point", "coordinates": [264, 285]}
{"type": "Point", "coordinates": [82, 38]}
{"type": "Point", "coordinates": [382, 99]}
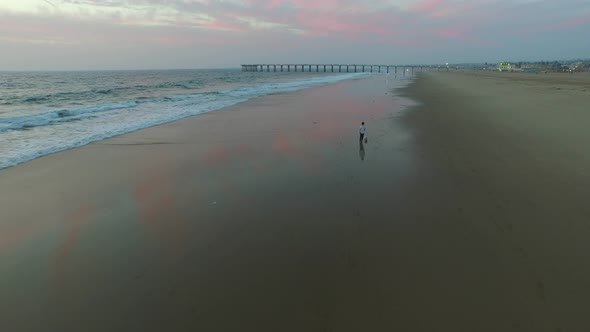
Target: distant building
{"type": "Point", "coordinates": [579, 66]}
{"type": "Point", "coordinates": [504, 66]}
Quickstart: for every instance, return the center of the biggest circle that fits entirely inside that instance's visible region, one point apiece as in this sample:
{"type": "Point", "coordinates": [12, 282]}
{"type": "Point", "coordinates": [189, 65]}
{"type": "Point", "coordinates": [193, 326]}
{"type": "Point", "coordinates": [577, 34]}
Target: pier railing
{"type": "Point", "coordinates": [334, 68]}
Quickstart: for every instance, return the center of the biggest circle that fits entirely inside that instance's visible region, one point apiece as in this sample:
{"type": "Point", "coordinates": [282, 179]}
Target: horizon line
{"type": "Point", "coordinates": [313, 64]}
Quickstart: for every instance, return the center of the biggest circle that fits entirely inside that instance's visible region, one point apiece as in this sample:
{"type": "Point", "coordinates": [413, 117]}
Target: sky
{"type": "Point", "coordinates": [158, 34]}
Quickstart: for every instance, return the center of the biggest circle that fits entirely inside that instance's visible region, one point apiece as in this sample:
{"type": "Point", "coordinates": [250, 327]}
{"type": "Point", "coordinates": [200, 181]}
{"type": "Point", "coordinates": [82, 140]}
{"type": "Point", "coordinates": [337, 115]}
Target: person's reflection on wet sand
{"type": "Point", "coordinates": [362, 151]}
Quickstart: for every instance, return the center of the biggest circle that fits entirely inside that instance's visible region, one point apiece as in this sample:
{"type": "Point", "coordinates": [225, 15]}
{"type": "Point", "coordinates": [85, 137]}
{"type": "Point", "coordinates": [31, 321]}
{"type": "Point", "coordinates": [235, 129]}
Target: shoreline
{"type": "Point", "coordinates": [17, 154]}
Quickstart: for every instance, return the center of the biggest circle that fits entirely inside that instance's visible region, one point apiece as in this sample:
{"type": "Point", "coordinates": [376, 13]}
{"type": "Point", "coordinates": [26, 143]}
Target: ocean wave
{"type": "Point", "coordinates": [183, 86]}
{"type": "Point", "coordinates": [66, 96]}
{"type": "Point", "coordinates": [103, 91]}
{"type": "Point", "coordinates": [241, 93]}
{"type": "Point", "coordinates": [37, 99]}
{"type": "Point", "coordinates": [58, 96]}
{"type": "Point", "coordinates": [54, 117]}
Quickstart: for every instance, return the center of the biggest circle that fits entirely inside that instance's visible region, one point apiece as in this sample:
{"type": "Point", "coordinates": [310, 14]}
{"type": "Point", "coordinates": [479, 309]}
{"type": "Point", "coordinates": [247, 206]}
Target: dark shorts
{"type": "Point", "coordinates": [361, 138]}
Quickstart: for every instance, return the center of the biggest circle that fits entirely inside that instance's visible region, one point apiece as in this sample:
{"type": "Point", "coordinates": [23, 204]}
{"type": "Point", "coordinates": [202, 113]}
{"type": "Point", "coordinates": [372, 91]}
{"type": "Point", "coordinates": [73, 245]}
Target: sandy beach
{"type": "Point", "coordinates": [465, 211]}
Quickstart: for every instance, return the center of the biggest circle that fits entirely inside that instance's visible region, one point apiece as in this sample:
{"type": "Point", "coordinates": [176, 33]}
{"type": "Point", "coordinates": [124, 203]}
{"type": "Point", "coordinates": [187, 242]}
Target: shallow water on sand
{"type": "Point", "coordinates": [263, 218]}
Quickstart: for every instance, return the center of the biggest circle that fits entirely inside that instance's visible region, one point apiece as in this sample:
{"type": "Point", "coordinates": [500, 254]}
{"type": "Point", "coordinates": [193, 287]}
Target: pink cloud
{"type": "Point", "coordinates": [219, 24]}
{"type": "Point", "coordinates": [274, 3]}
{"type": "Point", "coordinates": [320, 25]}
{"type": "Point", "coordinates": [325, 5]}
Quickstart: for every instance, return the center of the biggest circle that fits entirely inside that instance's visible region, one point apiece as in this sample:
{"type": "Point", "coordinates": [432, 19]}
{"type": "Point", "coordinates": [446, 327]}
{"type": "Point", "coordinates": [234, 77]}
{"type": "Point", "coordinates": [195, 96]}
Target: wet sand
{"type": "Point", "coordinates": [465, 213]}
{"type": "Point", "coordinates": [246, 218]}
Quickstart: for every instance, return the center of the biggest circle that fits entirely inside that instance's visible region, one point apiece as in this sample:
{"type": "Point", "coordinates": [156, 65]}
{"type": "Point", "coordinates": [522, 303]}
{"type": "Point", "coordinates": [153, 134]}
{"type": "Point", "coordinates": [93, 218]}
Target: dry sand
{"type": "Point", "coordinates": [467, 213]}
{"type": "Point", "coordinates": [510, 166]}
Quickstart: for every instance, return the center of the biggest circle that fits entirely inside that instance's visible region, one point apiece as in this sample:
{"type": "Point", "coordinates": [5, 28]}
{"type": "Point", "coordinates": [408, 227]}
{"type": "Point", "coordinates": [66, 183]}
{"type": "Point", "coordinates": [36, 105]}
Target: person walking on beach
{"type": "Point", "coordinates": [362, 130]}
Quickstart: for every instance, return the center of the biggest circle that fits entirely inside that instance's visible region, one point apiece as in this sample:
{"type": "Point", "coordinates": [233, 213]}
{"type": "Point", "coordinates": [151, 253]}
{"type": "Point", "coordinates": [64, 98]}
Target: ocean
{"type": "Point", "coordinates": [47, 112]}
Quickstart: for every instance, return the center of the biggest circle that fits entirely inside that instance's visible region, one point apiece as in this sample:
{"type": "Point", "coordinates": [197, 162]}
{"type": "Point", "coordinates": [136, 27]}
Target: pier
{"type": "Point", "coordinates": [335, 68]}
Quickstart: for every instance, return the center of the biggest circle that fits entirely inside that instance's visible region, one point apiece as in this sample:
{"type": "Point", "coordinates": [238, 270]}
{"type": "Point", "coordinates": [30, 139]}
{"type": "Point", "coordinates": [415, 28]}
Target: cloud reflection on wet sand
{"type": "Point", "coordinates": [74, 225]}
{"type": "Point", "coordinates": [158, 210]}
